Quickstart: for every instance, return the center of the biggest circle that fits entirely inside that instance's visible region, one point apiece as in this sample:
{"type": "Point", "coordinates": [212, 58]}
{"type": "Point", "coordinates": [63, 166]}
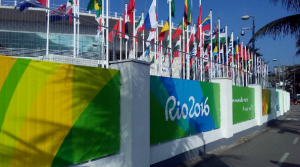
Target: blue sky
{"type": "Point", "coordinates": [230, 12]}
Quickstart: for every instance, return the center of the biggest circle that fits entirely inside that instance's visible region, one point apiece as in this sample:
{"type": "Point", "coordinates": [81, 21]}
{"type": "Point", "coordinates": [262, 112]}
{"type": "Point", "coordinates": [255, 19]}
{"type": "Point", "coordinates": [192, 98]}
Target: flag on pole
{"type": "Point", "coordinates": [139, 25]}
{"type": "Point", "coordinates": [150, 37]}
{"type": "Point", "coordinates": [95, 5]}
{"type": "Point", "coordinates": [115, 29]}
{"type": "Point", "coordinates": [66, 8]}
{"type": "Point", "coordinates": [173, 8]}
{"type": "Point", "coordinates": [178, 31]}
{"type": "Point", "coordinates": [24, 5]}
{"type": "Point", "coordinates": [125, 26]}
{"type": "Point", "coordinates": [165, 28]}
{"type": "Point", "coordinates": [176, 48]}
{"type": "Point", "coordinates": [199, 21]}
{"type": "Point", "coordinates": [222, 35]}
{"type": "Point", "coordinates": [215, 51]}
{"type": "Point", "coordinates": [206, 23]}
{"type": "Point", "coordinates": [131, 7]}
{"type": "Point", "coordinates": [187, 14]}
{"type": "Point", "coordinates": [151, 19]}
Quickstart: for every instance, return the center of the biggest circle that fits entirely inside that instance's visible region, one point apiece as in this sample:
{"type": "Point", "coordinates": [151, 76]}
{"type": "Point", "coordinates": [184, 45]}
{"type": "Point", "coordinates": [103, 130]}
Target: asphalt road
{"type": "Point", "coordinates": [278, 146]}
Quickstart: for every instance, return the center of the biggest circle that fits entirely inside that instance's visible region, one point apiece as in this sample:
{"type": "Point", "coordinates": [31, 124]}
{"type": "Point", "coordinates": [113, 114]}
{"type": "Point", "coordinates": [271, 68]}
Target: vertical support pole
{"type": "Point", "coordinates": [107, 34]}
{"type": "Point", "coordinates": [48, 26]}
{"type": "Point", "coordinates": [211, 44]}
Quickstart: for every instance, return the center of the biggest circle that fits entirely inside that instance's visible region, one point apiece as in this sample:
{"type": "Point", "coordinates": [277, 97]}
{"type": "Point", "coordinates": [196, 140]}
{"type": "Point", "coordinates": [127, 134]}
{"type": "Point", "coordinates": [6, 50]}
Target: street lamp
{"type": "Point", "coordinates": [278, 69]}
{"type": "Point", "coordinates": [246, 17]}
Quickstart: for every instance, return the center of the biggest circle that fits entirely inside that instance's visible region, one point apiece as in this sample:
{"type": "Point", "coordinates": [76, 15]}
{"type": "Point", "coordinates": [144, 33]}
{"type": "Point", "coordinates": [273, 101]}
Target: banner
{"type": "Point", "coordinates": [55, 114]}
{"type": "Point", "coordinates": [266, 102]}
{"type": "Point", "coordinates": [243, 104]}
{"type": "Point", "coordinates": [180, 108]}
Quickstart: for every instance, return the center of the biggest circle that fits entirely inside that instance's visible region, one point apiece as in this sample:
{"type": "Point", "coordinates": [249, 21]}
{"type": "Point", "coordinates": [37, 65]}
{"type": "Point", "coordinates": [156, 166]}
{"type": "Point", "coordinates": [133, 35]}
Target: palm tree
{"type": "Point", "coordinates": [289, 25]}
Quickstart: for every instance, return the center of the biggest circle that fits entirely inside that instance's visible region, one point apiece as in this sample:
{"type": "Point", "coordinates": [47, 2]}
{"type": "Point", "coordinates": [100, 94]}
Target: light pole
{"type": "Point", "coordinates": [279, 69]}
{"type": "Point", "coordinates": [246, 17]}
{"type": "Point", "coordinates": [294, 90]}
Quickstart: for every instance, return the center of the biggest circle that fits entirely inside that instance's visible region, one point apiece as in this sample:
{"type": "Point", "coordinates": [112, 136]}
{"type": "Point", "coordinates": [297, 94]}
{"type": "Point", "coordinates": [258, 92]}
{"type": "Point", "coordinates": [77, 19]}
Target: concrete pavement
{"type": "Point", "coordinates": [276, 146]}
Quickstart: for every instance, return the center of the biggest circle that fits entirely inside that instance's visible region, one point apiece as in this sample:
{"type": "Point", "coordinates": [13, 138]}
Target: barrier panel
{"type": "Point", "coordinates": [57, 114]}
{"type": "Point", "coordinates": [266, 102]}
{"type": "Point", "coordinates": [180, 108]}
{"type": "Point", "coordinates": [243, 104]}
{"type": "Point", "coordinates": [277, 100]}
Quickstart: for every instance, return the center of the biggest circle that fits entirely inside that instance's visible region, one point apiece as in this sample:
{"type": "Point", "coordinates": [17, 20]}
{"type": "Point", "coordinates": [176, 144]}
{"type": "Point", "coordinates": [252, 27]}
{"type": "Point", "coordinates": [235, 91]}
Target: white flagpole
{"type": "Point", "coordinates": [78, 23]}
{"type": "Point", "coordinates": [219, 22]}
{"type": "Point", "coordinates": [126, 42]}
{"type": "Point", "coordinates": [201, 53]}
{"type": "Point", "coordinates": [156, 51]}
{"type": "Point", "coordinates": [252, 62]}
{"type": "Point", "coordinates": [180, 57]}
{"type": "Point", "coordinates": [232, 60]}
{"type": "Point", "coordinates": [74, 25]}
{"type": "Point", "coordinates": [256, 69]}
{"type": "Point", "coordinates": [226, 69]}
{"type": "Point", "coordinates": [188, 55]}
{"type": "Point", "coordinates": [211, 33]}
{"type": "Point", "coordinates": [242, 63]}
{"type": "Point", "coordinates": [102, 40]}
{"type": "Point", "coordinates": [120, 35]}
{"type": "Point", "coordinates": [134, 47]}
{"type": "Point", "coordinates": [170, 31]}
{"type": "Point", "coordinates": [246, 64]}
{"type": "Point", "coordinates": [107, 34]}
{"type": "Point", "coordinates": [48, 26]}
{"type": "Point", "coordinates": [160, 57]}
{"type": "Point", "coordinates": [143, 34]}
{"type": "Point", "coordinates": [183, 49]}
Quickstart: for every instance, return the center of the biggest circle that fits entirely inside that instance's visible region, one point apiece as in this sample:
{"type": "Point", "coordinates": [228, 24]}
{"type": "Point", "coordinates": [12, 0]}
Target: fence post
{"type": "Point", "coordinates": [135, 111]}
{"type": "Point", "coordinates": [226, 107]}
{"type": "Point", "coordinates": [258, 102]}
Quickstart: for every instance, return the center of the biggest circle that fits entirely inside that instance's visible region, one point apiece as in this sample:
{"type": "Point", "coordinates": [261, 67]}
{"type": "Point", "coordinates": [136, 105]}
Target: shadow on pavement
{"type": "Point", "coordinates": [285, 164]}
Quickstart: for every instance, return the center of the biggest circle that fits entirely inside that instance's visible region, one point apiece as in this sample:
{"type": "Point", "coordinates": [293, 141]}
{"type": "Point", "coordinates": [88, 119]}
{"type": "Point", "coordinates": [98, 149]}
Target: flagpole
{"type": "Point", "coordinates": [143, 34]}
{"type": "Point", "coordinates": [78, 23]}
{"type": "Point", "coordinates": [126, 42]}
{"type": "Point", "coordinates": [180, 57]}
{"type": "Point", "coordinates": [134, 48]}
{"type": "Point", "coordinates": [102, 40]}
{"type": "Point", "coordinates": [120, 35]}
{"type": "Point", "coordinates": [183, 49]}
{"type": "Point", "coordinates": [252, 62]}
{"type": "Point", "coordinates": [107, 34]}
{"type": "Point", "coordinates": [232, 60]}
{"type": "Point", "coordinates": [201, 52]}
{"type": "Point", "coordinates": [256, 71]}
{"type": "Point", "coordinates": [246, 63]}
{"type": "Point", "coordinates": [211, 44]}
{"type": "Point", "coordinates": [48, 26]}
{"type": "Point", "coordinates": [226, 70]}
{"type": "Point", "coordinates": [156, 50]}
{"type": "Point", "coordinates": [160, 57]}
{"type": "Point", "coordinates": [219, 57]}
{"type": "Point", "coordinates": [170, 29]}
{"type": "Point", "coordinates": [188, 51]}
{"type": "Point", "coordinates": [242, 63]}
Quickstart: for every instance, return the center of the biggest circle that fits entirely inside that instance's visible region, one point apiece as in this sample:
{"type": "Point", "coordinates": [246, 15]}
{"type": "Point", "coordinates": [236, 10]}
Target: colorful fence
{"type": "Point", "coordinates": [266, 102]}
{"type": "Point", "coordinates": [243, 104]}
{"type": "Point", "coordinates": [57, 114]}
{"type": "Point", "coordinates": [180, 108]}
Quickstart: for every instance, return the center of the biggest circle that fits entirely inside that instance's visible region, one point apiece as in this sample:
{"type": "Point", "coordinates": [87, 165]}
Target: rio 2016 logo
{"type": "Point", "coordinates": [195, 110]}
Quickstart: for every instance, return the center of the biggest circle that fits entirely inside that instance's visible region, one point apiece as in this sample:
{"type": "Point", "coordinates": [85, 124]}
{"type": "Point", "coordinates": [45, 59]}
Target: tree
{"type": "Point", "coordinates": [289, 25]}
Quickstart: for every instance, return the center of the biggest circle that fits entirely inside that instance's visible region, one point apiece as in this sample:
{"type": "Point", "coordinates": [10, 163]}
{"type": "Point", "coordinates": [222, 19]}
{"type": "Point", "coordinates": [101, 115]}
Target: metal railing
{"type": "Point", "coordinates": [162, 58]}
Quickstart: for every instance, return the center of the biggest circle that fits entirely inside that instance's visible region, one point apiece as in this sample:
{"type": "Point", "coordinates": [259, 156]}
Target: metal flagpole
{"type": "Point", "coordinates": [126, 42]}
{"type": "Point", "coordinates": [252, 73]}
{"type": "Point", "coordinates": [246, 64]}
{"type": "Point", "coordinates": [134, 47]}
{"type": "Point", "coordinates": [219, 47]}
{"type": "Point", "coordinates": [160, 57]}
{"type": "Point", "coordinates": [102, 40]}
{"type": "Point", "coordinates": [120, 35]}
{"type": "Point", "coordinates": [188, 55]}
{"type": "Point", "coordinates": [143, 34]}
{"type": "Point", "coordinates": [48, 26]}
{"type": "Point", "coordinates": [170, 30]}
{"type": "Point", "coordinates": [211, 33]}
{"type": "Point", "coordinates": [107, 34]}
{"type": "Point", "coordinates": [201, 53]}
{"type": "Point", "coordinates": [183, 49]}
{"type": "Point", "coordinates": [242, 64]}
{"type": "Point", "coordinates": [226, 56]}
{"type": "Point", "coordinates": [74, 25]}
{"type": "Point", "coordinates": [78, 24]}
{"type": "Point", "coordinates": [255, 59]}
{"type": "Point", "coordinates": [238, 66]}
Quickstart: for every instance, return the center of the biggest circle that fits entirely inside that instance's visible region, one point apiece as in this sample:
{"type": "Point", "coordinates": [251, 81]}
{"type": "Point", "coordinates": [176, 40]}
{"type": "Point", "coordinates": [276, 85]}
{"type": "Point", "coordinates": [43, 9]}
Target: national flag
{"type": "Point", "coordinates": [150, 37]}
{"type": "Point", "coordinates": [165, 28]}
{"type": "Point", "coordinates": [139, 25]}
{"type": "Point", "coordinates": [131, 7]}
{"type": "Point", "coordinates": [95, 5]}
{"type": "Point", "coordinates": [176, 48]}
{"type": "Point", "coordinates": [215, 52]}
{"type": "Point", "coordinates": [173, 8]}
{"type": "Point", "coordinates": [147, 52]}
{"type": "Point", "coordinates": [191, 39]}
{"type": "Point", "coordinates": [151, 19]}
{"type": "Point", "coordinates": [115, 29]}
{"type": "Point", "coordinates": [178, 31]}
{"type": "Point", "coordinates": [199, 22]}
{"type": "Point", "coordinates": [125, 26]}
{"type": "Point", "coordinates": [230, 47]}
{"type": "Point", "coordinates": [24, 5]}
{"type": "Point", "coordinates": [152, 61]}
{"type": "Point", "coordinates": [65, 8]}
{"type": "Point", "coordinates": [222, 53]}
{"type": "Point", "coordinates": [207, 38]}
{"type": "Point", "coordinates": [222, 35]}
{"type": "Point", "coordinates": [206, 24]}
{"type": "Point", "coordinates": [187, 14]}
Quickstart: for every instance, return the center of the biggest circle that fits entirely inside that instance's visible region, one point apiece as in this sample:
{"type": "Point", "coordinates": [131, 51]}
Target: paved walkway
{"type": "Point", "coordinates": [277, 146]}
